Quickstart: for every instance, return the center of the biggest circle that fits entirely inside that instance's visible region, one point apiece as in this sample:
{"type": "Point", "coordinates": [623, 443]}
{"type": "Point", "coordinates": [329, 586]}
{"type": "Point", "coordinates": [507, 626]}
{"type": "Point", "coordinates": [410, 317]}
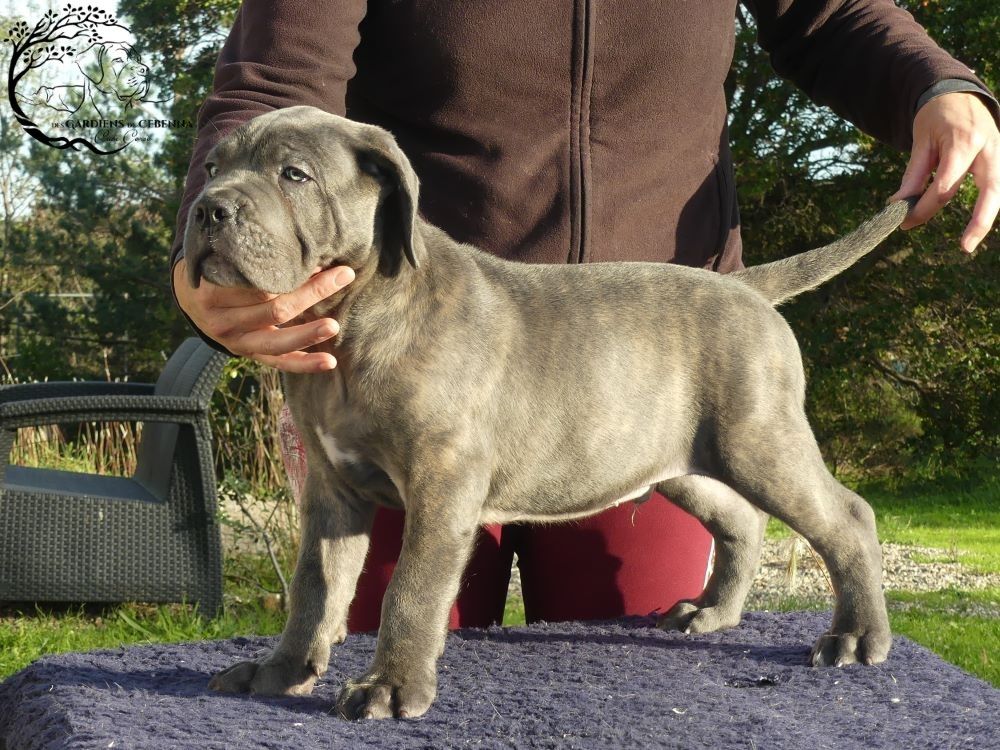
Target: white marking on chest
{"type": "Point", "coordinates": [333, 451]}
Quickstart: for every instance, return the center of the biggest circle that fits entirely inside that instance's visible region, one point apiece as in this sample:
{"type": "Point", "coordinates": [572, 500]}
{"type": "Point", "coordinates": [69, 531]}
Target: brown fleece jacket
{"type": "Point", "coordinates": [572, 130]}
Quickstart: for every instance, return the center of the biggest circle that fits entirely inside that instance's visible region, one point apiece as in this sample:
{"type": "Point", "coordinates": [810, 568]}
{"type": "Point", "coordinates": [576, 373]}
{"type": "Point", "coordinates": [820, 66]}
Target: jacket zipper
{"type": "Point", "coordinates": [582, 71]}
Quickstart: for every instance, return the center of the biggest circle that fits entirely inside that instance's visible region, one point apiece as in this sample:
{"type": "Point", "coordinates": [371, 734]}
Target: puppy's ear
{"type": "Point", "coordinates": [380, 157]}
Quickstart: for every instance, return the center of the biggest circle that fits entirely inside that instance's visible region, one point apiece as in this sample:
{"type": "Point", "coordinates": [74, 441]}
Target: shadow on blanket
{"type": "Point", "coordinates": [622, 685]}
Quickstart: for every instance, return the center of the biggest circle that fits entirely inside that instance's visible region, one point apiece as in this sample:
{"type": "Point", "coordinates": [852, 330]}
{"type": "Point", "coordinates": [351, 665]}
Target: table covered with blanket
{"type": "Point", "coordinates": [621, 684]}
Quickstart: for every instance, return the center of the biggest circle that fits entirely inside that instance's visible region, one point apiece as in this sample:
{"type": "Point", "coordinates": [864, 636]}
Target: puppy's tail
{"type": "Point", "coordinates": [786, 278]}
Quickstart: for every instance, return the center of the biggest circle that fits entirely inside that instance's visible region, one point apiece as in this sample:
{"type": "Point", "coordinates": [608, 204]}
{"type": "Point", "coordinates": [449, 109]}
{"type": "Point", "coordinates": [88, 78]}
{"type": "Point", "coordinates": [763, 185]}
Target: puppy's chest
{"type": "Point", "coordinates": [337, 447]}
{"type": "Point", "coordinates": [355, 463]}
{"type": "Point", "coordinates": [343, 440]}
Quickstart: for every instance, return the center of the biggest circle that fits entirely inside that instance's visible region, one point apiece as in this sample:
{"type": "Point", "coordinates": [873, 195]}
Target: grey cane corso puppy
{"type": "Point", "coordinates": [471, 390]}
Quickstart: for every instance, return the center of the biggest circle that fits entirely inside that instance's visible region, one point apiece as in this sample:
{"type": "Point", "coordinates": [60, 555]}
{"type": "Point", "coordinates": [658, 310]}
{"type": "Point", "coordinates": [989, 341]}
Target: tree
{"type": "Point", "coordinates": [96, 243]}
{"type": "Point", "coordinates": [902, 350]}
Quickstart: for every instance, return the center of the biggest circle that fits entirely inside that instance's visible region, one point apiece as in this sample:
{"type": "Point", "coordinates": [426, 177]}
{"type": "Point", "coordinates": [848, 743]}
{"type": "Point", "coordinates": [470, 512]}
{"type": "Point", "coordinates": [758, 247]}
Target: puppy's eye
{"type": "Point", "coordinates": [294, 174]}
{"type": "Point", "coordinates": [212, 168]}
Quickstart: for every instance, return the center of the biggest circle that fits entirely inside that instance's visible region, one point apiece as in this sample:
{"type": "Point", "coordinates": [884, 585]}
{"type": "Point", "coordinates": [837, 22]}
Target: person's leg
{"type": "Point", "coordinates": [628, 560]}
{"type": "Point", "coordinates": [484, 586]}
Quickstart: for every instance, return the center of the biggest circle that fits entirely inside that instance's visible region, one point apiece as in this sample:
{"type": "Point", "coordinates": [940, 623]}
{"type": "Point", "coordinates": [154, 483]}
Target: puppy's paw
{"type": "Point", "coordinates": [374, 697]}
{"type": "Point", "coordinates": [688, 617]}
{"type": "Point", "coordinates": [267, 677]}
{"type": "Point", "coordinates": [841, 649]}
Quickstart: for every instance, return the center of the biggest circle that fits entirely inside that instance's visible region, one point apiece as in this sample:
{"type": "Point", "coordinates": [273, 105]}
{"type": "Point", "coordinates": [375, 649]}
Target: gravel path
{"type": "Point", "coordinates": [905, 568]}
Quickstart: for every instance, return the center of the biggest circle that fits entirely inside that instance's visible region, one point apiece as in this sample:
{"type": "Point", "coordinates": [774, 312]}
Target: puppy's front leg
{"type": "Point", "coordinates": [402, 680]}
{"type": "Point", "coordinates": [336, 529]}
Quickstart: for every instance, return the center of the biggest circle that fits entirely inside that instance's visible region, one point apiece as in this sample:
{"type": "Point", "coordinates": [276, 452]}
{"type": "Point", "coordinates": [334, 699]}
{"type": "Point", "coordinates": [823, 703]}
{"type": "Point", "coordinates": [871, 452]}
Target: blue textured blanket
{"type": "Point", "coordinates": [572, 685]}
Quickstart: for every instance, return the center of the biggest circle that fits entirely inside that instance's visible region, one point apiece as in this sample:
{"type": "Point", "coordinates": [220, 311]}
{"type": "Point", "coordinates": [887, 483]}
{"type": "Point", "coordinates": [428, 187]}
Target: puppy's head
{"type": "Point", "coordinates": [297, 189]}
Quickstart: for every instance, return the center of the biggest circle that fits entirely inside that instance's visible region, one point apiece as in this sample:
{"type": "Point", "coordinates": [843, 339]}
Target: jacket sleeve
{"type": "Point", "coordinates": [278, 54]}
{"type": "Point", "coordinates": [868, 60]}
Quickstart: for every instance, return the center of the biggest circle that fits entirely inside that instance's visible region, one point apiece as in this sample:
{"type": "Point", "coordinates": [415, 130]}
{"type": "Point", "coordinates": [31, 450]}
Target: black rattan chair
{"type": "Point", "coordinates": [154, 536]}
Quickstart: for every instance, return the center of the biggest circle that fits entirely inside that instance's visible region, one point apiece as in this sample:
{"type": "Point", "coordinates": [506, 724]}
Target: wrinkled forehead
{"type": "Point", "coordinates": [118, 51]}
{"type": "Point", "coordinates": [288, 136]}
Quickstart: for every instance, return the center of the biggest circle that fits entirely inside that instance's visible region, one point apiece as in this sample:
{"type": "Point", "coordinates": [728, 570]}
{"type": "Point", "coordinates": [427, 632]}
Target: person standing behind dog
{"type": "Point", "coordinates": [573, 132]}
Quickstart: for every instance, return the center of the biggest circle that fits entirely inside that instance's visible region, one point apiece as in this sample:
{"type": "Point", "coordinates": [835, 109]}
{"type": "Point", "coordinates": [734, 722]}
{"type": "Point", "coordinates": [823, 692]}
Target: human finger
{"type": "Point", "coordinates": [954, 165]}
{"type": "Point", "coordinates": [986, 171]}
{"type": "Point", "coordinates": [280, 309]}
{"type": "Point", "coordinates": [274, 341]}
{"type": "Point", "coordinates": [918, 172]}
{"type": "Point", "coordinates": [299, 362]}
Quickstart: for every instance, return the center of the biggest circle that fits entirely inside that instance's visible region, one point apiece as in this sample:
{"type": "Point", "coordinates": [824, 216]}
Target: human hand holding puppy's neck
{"type": "Point", "coordinates": [255, 324]}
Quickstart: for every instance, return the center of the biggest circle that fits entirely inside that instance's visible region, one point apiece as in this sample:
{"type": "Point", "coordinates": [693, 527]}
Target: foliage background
{"type": "Point", "coordinates": [901, 351]}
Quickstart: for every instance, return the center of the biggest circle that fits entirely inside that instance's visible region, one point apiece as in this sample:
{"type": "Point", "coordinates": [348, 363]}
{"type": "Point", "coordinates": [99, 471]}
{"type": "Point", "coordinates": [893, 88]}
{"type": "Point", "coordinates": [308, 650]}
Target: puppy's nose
{"type": "Point", "coordinates": [212, 211]}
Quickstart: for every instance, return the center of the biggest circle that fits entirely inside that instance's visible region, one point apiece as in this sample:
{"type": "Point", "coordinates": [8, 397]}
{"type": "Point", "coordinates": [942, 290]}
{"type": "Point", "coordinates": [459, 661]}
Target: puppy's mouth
{"type": "Point", "coordinates": [248, 260]}
{"type": "Point", "coordinates": [217, 269]}
{"type": "Point", "coordinates": [210, 256]}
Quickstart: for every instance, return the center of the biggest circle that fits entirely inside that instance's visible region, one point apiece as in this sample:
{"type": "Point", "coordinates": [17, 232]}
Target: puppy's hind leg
{"type": "Point", "coordinates": [738, 529]}
{"type": "Point", "coordinates": [783, 474]}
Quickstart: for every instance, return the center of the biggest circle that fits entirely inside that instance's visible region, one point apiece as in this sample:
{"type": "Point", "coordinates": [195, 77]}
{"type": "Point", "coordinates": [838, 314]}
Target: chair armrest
{"type": "Point", "coordinates": [62, 410]}
{"type": "Point", "coordinates": [71, 389]}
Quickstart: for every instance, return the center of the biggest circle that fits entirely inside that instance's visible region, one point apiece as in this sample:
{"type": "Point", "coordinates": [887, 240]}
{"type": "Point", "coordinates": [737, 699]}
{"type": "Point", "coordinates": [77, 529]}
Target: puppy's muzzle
{"type": "Point", "coordinates": [212, 216]}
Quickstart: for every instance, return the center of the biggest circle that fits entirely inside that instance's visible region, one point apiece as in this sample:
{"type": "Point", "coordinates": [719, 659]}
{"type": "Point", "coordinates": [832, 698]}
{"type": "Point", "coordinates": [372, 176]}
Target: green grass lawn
{"type": "Point", "coordinates": [962, 522]}
{"type": "Point", "coordinates": [28, 635]}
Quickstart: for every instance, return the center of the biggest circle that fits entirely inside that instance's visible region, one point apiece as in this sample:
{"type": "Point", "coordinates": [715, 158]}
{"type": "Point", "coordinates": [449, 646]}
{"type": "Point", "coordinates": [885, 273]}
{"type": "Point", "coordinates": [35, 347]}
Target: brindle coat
{"type": "Point", "coordinates": [472, 390]}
